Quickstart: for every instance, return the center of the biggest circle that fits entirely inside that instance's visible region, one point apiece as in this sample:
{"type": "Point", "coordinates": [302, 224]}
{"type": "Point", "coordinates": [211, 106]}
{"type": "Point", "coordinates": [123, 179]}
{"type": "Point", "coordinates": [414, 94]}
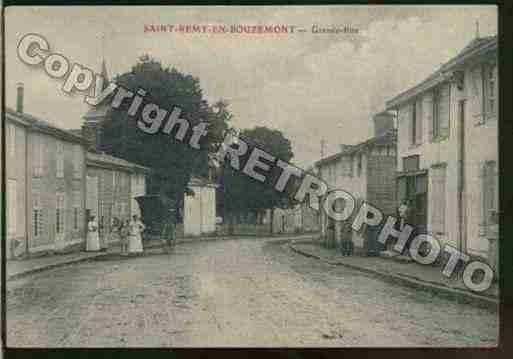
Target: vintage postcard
{"type": "Point", "coordinates": [251, 176]}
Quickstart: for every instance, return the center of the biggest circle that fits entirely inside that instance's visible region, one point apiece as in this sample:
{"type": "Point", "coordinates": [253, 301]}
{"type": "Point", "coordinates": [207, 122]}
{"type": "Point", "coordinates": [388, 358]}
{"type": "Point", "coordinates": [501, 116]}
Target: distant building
{"type": "Point", "coordinates": [365, 170]}
{"type": "Point", "coordinates": [448, 148]}
{"type": "Point", "coordinates": [199, 210]}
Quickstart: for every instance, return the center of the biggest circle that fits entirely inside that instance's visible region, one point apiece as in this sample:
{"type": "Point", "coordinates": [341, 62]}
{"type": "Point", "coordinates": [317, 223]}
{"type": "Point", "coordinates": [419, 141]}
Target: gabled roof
{"type": "Point", "coordinates": [40, 125]}
{"type": "Point", "coordinates": [475, 48]}
{"type": "Point", "coordinates": [76, 131]}
{"type": "Point", "coordinates": [201, 182]}
{"type": "Point", "coordinates": [389, 137]}
{"type": "Point", "coordinates": [101, 159]}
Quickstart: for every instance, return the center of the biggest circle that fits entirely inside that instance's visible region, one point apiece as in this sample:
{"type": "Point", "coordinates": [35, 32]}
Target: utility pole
{"type": "Point", "coordinates": [477, 29]}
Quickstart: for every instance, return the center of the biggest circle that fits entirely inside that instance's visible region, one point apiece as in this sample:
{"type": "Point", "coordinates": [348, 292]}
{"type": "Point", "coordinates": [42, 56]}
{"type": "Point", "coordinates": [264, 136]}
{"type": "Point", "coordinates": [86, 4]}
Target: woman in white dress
{"type": "Point", "coordinates": [93, 240]}
{"type": "Point", "coordinates": [135, 239]}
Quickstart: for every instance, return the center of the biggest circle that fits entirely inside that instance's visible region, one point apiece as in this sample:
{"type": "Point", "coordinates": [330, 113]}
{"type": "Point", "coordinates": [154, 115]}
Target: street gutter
{"type": "Point", "coordinates": [412, 282]}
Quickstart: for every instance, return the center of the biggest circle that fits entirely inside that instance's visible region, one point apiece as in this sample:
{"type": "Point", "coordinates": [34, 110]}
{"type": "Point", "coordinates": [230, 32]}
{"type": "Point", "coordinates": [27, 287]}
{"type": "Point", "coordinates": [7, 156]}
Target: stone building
{"type": "Point", "coordinates": [50, 172]}
{"type": "Point", "coordinates": [45, 174]}
{"type": "Point", "coordinates": [365, 170]}
{"type": "Point", "coordinates": [112, 185]}
{"type": "Point", "coordinates": [448, 148]}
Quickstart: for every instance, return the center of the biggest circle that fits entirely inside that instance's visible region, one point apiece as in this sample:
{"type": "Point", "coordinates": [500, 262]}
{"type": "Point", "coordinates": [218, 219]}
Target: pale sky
{"type": "Point", "coordinates": [310, 86]}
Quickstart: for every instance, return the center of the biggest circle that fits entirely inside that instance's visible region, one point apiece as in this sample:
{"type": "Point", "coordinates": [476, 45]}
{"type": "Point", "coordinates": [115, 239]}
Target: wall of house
{"type": "Point", "coordinates": [381, 179]}
{"type": "Point", "coordinates": [15, 167]}
{"type": "Point", "coordinates": [355, 183]}
{"type": "Point", "coordinates": [481, 145]}
{"type": "Point", "coordinates": [200, 211]}
{"type": "Point", "coordinates": [434, 153]}
{"type": "Point", "coordinates": [310, 219]}
{"type": "Point", "coordinates": [287, 220]}
{"type": "Point", "coordinates": [114, 197]}
{"type": "Point", "coordinates": [138, 188]}
{"type": "Point", "coordinates": [43, 190]}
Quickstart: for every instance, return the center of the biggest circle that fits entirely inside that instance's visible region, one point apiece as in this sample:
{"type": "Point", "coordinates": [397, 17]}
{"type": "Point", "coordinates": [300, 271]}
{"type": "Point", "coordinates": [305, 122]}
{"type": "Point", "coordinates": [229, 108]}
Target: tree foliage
{"type": "Point", "coordinates": [172, 161]}
{"type": "Point", "coordinates": [240, 192]}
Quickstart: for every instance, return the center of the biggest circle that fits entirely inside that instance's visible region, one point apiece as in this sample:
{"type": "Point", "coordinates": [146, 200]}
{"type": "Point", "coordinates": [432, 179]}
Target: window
{"type": "Point", "coordinates": [77, 162]}
{"type": "Point", "coordinates": [441, 110]}
{"type": "Point", "coordinates": [76, 210]}
{"type": "Point", "coordinates": [12, 208]}
{"type": "Point", "coordinates": [438, 178]}
{"type": "Point", "coordinates": [60, 159]}
{"type": "Point", "coordinates": [416, 123]}
{"type": "Point", "coordinates": [359, 169]}
{"type": "Point", "coordinates": [114, 174]}
{"type": "Point", "coordinates": [38, 156]}
{"type": "Point", "coordinates": [489, 90]}
{"type": "Point", "coordinates": [346, 166]}
{"type": "Point", "coordinates": [411, 163]}
{"type": "Point", "coordinates": [12, 139]}
{"type": "Point", "coordinates": [37, 214]}
{"type": "Point", "coordinates": [60, 213]}
{"type": "Point", "coordinates": [489, 195]}
{"type": "Point", "coordinates": [484, 92]}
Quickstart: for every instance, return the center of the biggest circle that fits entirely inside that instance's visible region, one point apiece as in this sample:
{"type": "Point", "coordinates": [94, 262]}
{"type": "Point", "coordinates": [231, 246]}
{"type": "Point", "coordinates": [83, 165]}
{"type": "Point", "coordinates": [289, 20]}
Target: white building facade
{"type": "Point", "coordinates": [199, 212]}
{"type": "Point", "coordinates": [448, 148]}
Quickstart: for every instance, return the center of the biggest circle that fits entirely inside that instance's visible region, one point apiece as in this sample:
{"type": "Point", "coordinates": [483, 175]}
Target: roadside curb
{"type": "Point", "coordinates": [52, 266]}
{"type": "Point", "coordinates": [43, 268]}
{"type": "Point", "coordinates": [410, 281]}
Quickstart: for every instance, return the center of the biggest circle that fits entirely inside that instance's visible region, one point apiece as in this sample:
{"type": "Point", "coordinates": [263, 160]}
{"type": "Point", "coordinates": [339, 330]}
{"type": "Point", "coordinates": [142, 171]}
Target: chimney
{"type": "Point", "coordinates": [19, 97]}
{"type": "Point", "coordinates": [383, 122]}
{"type": "Point", "coordinates": [91, 131]}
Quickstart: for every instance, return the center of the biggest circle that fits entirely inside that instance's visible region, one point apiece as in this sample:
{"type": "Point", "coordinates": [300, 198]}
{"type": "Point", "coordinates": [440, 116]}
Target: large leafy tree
{"type": "Point", "coordinates": [243, 194]}
{"type": "Point", "coordinates": [172, 161]}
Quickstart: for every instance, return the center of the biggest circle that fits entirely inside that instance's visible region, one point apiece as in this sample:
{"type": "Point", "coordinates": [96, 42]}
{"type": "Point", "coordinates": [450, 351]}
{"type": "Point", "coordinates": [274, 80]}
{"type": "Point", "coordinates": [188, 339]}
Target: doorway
{"type": "Point", "coordinates": [413, 190]}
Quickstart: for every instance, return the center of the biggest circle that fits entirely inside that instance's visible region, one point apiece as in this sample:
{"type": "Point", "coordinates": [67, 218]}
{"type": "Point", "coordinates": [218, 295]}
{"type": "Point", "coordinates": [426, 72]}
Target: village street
{"type": "Point", "coordinates": [238, 292]}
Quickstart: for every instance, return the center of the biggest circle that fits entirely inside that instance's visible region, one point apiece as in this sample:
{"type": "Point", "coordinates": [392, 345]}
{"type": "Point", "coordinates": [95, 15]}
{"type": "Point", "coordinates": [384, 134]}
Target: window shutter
{"type": "Point", "coordinates": [489, 201]}
{"type": "Point", "coordinates": [428, 115]}
{"type": "Point", "coordinates": [420, 122]}
{"type": "Point", "coordinates": [476, 77]}
{"type": "Point", "coordinates": [35, 156]}
{"type": "Point", "coordinates": [44, 156]}
{"type": "Point", "coordinates": [12, 209]}
{"type": "Point", "coordinates": [496, 89]}
{"type": "Point", "coordinates": [408, 113]}
{"type": "Point", "coordinates": [490, 89]}
{"type": "Point", "coordinates": [445, 110]}
{"type": "Point", "coordinates": [60, 159]}
{"type": "Point", "coordinates": [11, 130]}
{"type": "Point", "coordinates": [439, 200]}
{"type": "Point", "coordinates": [401, 188]}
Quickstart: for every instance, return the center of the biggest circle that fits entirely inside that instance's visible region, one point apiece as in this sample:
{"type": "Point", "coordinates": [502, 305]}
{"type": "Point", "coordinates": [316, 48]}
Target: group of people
{"type": "Point", "coordinates": [129, 232]}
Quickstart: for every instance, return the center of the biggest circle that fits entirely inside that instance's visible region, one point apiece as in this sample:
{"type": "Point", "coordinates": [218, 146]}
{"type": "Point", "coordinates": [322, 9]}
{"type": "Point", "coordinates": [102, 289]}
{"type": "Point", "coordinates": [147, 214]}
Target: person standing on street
{"type": "Point", "coordinates": [124, 232]}
{"type": "Point", "coordinates": [135, 239]}
{"type": "Point", "coordinates": [168, 234]}
{"type": "Point", "coordinates": [93, 240]}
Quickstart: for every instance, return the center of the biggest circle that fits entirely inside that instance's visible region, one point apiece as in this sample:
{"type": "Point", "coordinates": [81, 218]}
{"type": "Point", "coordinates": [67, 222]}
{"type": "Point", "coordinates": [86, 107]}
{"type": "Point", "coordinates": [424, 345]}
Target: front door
{"type": "Point", "coordinates": [413, 190]}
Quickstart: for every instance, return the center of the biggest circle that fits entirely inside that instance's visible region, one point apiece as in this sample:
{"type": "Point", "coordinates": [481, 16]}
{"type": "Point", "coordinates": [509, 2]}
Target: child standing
{"type": "Point", "coordinates": [124, 232]}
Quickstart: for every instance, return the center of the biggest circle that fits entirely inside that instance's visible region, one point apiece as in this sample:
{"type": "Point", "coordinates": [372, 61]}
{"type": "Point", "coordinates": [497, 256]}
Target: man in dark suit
{"type": "Point", "coordinates": [404, 217]}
